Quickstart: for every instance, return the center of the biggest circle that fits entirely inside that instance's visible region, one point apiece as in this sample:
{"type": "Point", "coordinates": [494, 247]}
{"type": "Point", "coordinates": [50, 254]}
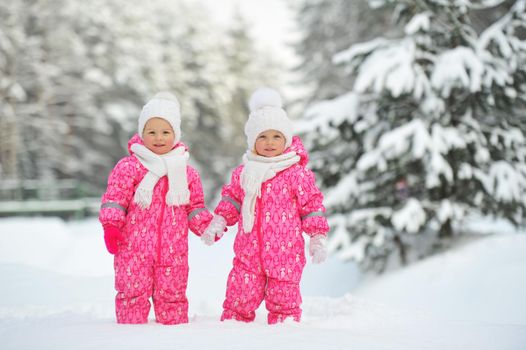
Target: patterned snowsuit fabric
{"type": "Point", "coordinates": [152, 261]}
{"type": "Point", "coordinates": [269, 260]}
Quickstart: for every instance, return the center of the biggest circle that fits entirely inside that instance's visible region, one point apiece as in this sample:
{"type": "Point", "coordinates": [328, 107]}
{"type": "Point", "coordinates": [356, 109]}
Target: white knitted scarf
{"type": "Point", "coordinates": [172, 164]}
{"type": "Point", "coordinates": [257, 170]}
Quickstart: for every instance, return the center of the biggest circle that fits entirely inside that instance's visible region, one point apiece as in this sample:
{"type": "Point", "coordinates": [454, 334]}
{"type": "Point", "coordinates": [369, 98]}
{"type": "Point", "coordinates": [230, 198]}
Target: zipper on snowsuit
{"type": "Point", "coordinates": [260, 233]}
{"type": "Point", "coordinates": [159, 224]}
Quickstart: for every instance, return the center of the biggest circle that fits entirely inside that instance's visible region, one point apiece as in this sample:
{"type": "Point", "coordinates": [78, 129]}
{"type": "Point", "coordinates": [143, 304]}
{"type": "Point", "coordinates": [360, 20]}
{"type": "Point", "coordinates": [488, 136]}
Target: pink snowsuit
{"type": "Point", "coordinates": [152, 260]}
{"type": "Point", "coordinates": [269, 260]}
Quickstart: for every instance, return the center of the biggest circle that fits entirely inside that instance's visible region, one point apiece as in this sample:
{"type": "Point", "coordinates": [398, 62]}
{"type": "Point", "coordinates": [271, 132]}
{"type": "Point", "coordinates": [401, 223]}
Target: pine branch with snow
{"type": "Point", "coordinates": [437, 133]}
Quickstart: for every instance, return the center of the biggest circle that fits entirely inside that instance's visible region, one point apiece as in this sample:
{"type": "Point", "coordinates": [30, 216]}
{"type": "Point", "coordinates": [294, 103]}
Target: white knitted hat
{"type": "Point", "coordinates": [266, 113]}
{"type": "Point", "coordinates": [163, 105]}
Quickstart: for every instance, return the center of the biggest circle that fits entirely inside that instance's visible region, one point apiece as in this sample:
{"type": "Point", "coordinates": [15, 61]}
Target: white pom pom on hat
{"type": "Point", "coordinates": [264, 97]}
{"type": "Point", "coordinates": [267, 113]}
{"type": "Point", "coordinates": [163, 105]}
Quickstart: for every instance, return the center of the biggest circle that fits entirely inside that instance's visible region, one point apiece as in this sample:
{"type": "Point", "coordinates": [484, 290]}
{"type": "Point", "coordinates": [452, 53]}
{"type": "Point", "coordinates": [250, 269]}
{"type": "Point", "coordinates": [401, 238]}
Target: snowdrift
{"type": "Point", "coordinates": [57, 293]}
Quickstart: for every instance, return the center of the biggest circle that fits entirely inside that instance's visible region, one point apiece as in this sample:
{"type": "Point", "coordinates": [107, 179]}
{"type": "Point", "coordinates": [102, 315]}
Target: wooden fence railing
{"type": "Point", "coordinates": [65, 198]}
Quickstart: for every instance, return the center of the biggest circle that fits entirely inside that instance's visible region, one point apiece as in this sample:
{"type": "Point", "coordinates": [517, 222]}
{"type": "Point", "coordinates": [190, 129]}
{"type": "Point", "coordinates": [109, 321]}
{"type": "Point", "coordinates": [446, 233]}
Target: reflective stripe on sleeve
{"type": "Point", "coordinates": [113, 205]}
{"type": "Point", "coordinates": [195, 212]}
{"type": "Point", "coordinates": [233, 202]}
{"type": "Point", "coordinates": [314, 213]}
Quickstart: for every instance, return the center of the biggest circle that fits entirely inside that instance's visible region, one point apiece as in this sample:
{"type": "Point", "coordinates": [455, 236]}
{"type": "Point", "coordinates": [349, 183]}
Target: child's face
{"type": "Point", "coordinates": [270, 143]}
{"type": "Point", "coordinates": [158, 136]}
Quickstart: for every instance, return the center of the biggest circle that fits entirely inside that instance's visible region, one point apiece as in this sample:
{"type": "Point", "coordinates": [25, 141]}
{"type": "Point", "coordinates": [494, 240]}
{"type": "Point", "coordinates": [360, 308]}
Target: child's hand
{"type": "Point", "coordinates": [215, 230]}
{"type": "Point", "coordinates": [112, 238]}
{"type": "Point", "coordinates": [318, 248]}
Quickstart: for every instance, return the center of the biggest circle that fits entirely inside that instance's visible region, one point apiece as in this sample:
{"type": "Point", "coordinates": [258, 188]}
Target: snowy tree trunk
{"type": "Point", "coordinates": [8, 148]}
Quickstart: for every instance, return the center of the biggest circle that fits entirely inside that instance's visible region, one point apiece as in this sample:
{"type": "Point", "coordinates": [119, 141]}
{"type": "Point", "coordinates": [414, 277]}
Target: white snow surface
{"type": "Point", "coordinates": [57, 293]}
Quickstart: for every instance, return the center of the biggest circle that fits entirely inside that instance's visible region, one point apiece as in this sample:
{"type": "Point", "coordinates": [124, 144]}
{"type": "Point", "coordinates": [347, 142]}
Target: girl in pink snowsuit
{"type": "Point", "coordinates": [152, 199]}
{"type": "Point", "coordinates": [274, 198]}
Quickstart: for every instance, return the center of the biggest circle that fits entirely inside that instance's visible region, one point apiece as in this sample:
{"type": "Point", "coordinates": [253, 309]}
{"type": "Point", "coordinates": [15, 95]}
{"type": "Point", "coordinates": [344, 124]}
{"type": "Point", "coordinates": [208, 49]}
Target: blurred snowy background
{"type": "Point", "coordinates": [414, 113]}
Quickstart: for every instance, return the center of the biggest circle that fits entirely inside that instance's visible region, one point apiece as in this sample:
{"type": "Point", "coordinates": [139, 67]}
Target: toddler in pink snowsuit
{"type": "Point", "coordinates": [274, 199]}
{"type": "Point", "coordinates": [153, 198]}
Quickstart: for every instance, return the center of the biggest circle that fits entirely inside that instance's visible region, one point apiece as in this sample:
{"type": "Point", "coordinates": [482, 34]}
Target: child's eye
{"type": "Point", "coordinates": [151, 133]}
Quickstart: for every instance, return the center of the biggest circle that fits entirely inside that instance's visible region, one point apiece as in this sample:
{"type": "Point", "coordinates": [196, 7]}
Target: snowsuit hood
{"type": "Point", "coordinates": [297, 146]}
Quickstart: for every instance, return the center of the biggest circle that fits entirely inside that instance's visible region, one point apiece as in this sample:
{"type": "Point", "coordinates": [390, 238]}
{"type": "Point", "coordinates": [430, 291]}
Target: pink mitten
{"type": "Point", "coordinates": [318, 248]}
{"type": "Point", "coordinates": [215, 230]}
{"type": "Point", "coordinates": [112, 238]}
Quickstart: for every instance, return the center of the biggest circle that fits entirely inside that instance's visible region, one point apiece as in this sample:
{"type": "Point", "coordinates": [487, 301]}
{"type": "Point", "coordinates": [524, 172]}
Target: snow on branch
{"type": "Point", "coordinates": [389, 68]}
{"type": "Point", "coordinates": [409, 218]}
{"type": "Point", "coordinates": [331, 112]}
{"type": "Point", "coordinates": [459, 67]}
{"type": "Point", "coordinates": [504, 181]}
{"type": "Point", "coordinates": [346, 188]}
{"type": "Point", "coordinates": [419, 22]}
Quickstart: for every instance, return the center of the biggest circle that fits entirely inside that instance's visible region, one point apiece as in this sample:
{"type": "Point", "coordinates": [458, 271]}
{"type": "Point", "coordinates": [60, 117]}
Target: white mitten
{"type": "Point", "coordinates": [215, 229]}
{"type": "Point", "coordinates": [318, 248]}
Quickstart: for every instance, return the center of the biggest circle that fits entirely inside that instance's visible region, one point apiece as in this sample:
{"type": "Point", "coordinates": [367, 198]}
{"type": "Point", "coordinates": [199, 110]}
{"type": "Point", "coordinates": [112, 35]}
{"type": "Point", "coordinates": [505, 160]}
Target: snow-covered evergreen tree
{"type": "Point", "coordinates": [105, 58]}
{"type": "Point", "coordinates": [74, 76]}
{"type": "Point", "coordinates": [434, 130]}
{"type": "Point", "coordinates": [28, 100]}
{"type": "Point", "coordinates": [203, 97]}
{"type": "Point", "coordinates": [240, 55]}
{"type": "Point", "coordinates": [10, 90]}
{"type": "Point", "coordinates": [59, 75]}
{"type": "Point", "coordinates": [326, 28]}
{"type": "Point", "coordinates": [248, 68]}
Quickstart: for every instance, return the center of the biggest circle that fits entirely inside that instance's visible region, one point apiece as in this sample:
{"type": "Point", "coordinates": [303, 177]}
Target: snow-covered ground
{"type": "Point", "coordinates": [56, 292]}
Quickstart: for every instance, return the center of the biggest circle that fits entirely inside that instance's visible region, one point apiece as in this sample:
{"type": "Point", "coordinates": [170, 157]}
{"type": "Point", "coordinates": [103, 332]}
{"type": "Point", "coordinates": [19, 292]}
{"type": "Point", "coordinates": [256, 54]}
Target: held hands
{"type": "Point", "coordinates": [112, 238]}
{"type": "Point", "coordinates": [318, 248]}
{"type": "Point", "coordinates": [215, 230]}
